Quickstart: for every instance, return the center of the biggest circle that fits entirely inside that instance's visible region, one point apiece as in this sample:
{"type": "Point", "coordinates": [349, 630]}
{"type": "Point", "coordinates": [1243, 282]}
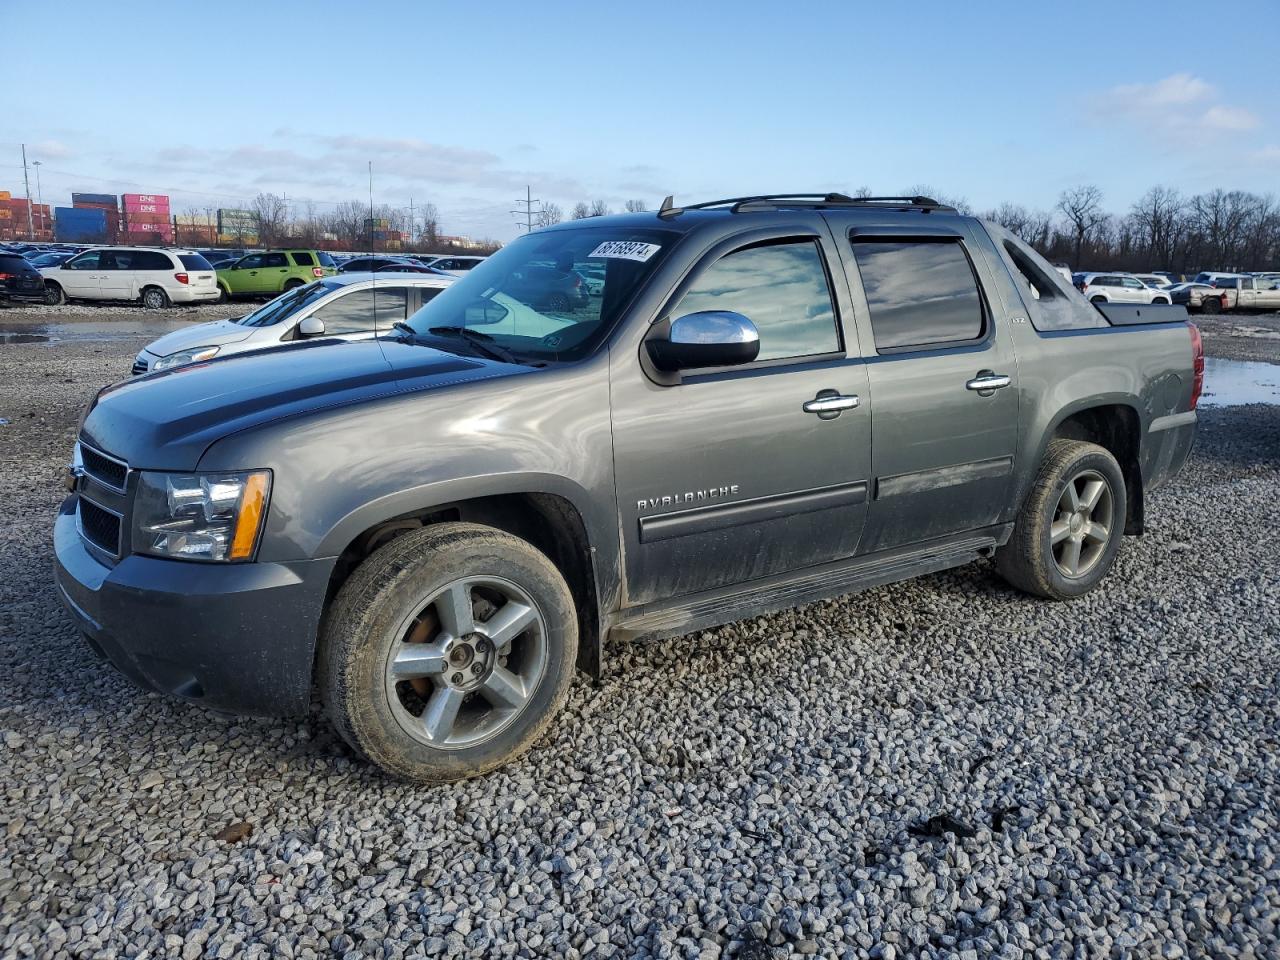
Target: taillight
{"type": "Point", "coordinates": [181, 277]}
{"type": "Point", "coordinates": [1197, 364]}
{"type": "Point", "coordinates": [317, 272]}
{"type": "Point", "coordinates": [7, 276]}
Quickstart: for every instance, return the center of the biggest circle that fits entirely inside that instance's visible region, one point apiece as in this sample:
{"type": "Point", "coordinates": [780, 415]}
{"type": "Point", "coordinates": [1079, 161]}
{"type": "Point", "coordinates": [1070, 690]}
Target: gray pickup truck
{"type": "Point", "coordinates": [1241, 292]}
{"type": "Point", "coordinates": [763, 402]}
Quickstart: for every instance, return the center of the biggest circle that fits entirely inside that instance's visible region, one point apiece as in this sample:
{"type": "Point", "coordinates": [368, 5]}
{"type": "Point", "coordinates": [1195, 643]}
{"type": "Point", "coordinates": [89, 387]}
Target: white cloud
{"type": "Point", "coordinates": [1177, 90]}
{"type": "Point", "coordinates": [1229, 118]}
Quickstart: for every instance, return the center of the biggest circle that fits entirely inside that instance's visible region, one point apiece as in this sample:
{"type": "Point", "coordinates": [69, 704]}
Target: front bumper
{"type": "Point", "coordinates": [235, 637]}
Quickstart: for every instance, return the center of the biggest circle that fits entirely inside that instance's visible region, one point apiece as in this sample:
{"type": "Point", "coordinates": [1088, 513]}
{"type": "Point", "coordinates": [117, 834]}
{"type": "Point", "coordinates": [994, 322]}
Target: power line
{"type": "Point", "coordinates": [528, 202]}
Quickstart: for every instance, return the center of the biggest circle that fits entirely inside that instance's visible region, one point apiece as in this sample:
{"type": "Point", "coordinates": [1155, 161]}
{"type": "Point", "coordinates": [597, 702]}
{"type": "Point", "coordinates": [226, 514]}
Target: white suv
{"type": "Point", "coordinates": [154, 275]}
{"type": "Point", "coordinates": [1119, 288]}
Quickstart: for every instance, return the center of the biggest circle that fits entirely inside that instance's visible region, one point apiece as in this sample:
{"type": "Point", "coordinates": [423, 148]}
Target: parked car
{"type": "Point", "coordinates": [1119, 288]}
{"type": "Point", "coordinates": [411, 268]}
{"type": "Point", "coordinates": [457, 265]}
{"type": "Point", "coordinates": [1209, 276]}
{"type": "Point", "coordinates": [557, 288]}
{"type": "Point", "coordinates": [51, 258]}
{"type": "Point", "coordinates": [431, 529]}
{"type": "Point", "coordinates": [156, 276]}
{"type": "Point", "coordinates": [1235, 293]}
{"type": "Point", "coordinates": [20, 280]}
{"type": "Point", "coordinates": [368, 264]}
{"type": "Point", "coordinates": [272, 272]}
{"type": "Point", "coordinates": [354, 306]}
{"type": "Point", "coordinates": [1154, 280]}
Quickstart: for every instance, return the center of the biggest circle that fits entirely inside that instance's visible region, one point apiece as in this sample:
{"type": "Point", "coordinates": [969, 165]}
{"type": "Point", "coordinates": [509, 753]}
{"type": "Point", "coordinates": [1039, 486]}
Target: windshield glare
{"type": "Point", "coordinates": [287, 304]}
{"type": "Point", "coordinates": [553, 295]}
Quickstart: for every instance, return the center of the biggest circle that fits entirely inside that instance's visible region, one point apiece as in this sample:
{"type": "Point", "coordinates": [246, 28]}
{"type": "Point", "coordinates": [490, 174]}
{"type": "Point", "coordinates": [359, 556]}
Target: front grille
{"type": "Point", "coordinates": [104, 469]}
{"type": "Point", "coordinates": [100, 527]}
{"type": "Point", "coordinates": [139, 365]}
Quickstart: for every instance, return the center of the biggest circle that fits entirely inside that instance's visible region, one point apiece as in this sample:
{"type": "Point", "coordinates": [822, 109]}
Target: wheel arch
{"type": "Point", "coordinates": [1116, 425]}
{"type": "Point", "coordinates": [549, 520]}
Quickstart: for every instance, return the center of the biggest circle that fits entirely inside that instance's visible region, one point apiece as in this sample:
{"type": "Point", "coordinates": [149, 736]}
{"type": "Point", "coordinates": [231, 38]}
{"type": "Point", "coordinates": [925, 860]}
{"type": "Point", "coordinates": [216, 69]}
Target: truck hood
{"type": "Point", "coordinates": [166, 420]}
{"type": "Point", "coordinates": [212, 334]}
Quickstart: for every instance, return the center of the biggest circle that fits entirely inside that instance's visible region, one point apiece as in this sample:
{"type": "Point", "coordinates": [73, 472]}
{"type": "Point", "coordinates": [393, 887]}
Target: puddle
{"type": "Point", "coordinates": [89, 331]}
{"type": "Point", "coordinates": [1230, 383]}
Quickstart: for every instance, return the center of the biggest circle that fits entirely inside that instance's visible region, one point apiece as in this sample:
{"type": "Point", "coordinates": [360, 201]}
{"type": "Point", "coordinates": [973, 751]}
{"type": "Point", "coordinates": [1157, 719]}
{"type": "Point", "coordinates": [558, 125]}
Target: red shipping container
{"type": "Point", "coordinates": [132, 218]}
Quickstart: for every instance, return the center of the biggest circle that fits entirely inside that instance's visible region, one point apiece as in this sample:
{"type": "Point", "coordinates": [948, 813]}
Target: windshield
{"type": "Point", "coordinates": [533, 298]}
{"type": "Point", "coordinates": [287, 304]}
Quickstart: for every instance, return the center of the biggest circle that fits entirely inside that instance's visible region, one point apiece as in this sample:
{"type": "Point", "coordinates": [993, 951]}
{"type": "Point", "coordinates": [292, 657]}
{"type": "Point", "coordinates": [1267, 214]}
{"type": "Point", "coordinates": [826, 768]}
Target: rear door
{"type": "Point", "coordinates": [722, 475]}
{"type": "Point", "coordinates": [273, 273]}
{"type": "Point", "coordinates": [943, 381]}
{"type": "Point", "coordinates": [118, 274]}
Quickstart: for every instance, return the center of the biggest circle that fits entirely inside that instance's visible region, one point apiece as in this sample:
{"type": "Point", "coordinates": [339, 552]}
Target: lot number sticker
{"type": "Point", "coordinates": [625, 250]}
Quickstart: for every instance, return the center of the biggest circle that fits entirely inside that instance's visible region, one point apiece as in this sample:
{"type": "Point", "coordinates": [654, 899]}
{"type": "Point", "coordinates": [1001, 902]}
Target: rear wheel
{"type": "Point", "coordinates": [448, 652]}
{"type": "Point", "coordinates": [1211, 305]}
{"type": "Point", "coordinates": [1097, 299]}
{"type": "Point", "coordinates": [153, 298]}
{"type": "Point", "coordinates": [292, 284]}
{"type": "Point", "coordinates": [1069, 528]}
{"type": "Point", "coordinates": [222, 294]}
{"type": "Point", "coordinates": [53, 294]}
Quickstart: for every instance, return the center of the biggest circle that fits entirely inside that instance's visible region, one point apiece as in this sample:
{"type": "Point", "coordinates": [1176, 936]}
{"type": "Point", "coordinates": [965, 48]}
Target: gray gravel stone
{"type": "Point", "coordinates": [744, 792]}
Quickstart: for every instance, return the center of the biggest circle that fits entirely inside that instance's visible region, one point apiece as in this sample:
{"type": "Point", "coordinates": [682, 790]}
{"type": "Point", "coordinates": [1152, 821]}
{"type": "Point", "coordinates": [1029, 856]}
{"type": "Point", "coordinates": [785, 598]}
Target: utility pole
{"type": "Point", "coordinates": [528, 203]}
{"type": "Point", "coordinates": [39, 192]}
{"type": "Point", "coordinates": [26, 181]}
{"type": "Point", "coordinates": [412, 242]}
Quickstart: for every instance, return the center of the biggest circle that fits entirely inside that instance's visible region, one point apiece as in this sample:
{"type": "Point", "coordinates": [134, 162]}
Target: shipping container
{"type": "Point", "coordinates": [132, 201]}
{"type": "Point", "coordinates": [5, 195]}
{"type": "Point", "coordinates": [77, 223]}
{"type": "Point", "coordinates": [80, 199]}
{"type": "Point", "coordinates": [132, 218]}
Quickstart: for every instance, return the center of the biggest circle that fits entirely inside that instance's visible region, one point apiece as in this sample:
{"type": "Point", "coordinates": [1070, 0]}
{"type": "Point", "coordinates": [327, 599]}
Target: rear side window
{"type": "Point", "coordinates": [920, 292]}
{"type": "Point", "coordinates": [303, 259]}
{"type": "Point", "coordinates": [151, 260]}
{"type": "Point", "coordinates": [11, 263]}
{"type": "Point", "coordinates": [782, 288]}
{"type": "Point", "coordinates": [193, 261]}
{"type": "Point", "coordinates": [274, 260]}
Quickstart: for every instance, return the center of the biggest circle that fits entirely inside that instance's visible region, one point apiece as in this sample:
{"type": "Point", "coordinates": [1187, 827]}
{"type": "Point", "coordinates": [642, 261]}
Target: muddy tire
{"type": "Point", "coordinates": [1211, 305]}
{"type": "Point", "coordinates": [448, 652]}
{"type": "Point", "coordinates": [1067, 533]}
{"type": "Point", "coordinates": [153, 298]}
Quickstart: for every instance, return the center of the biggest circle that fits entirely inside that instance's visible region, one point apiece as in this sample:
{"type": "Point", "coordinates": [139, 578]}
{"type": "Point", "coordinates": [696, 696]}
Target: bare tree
{"type": "Point", "coordinates": [549, 214]}
{"type": "Point", "coordinates": [272, 213]}
{"type": "Point", "coordinates": [925, 190]}
{"type": "Point", "coordinates": [580, 211]}
{"type": "Point", "coordinates": [636, 206]}
{"type": "Point", "coordinates": [862, 193]}
{"type": "Point", "coordinates": [1082, 206]}
{"type": "Point", "coordinates": [599, 208]}
{"type": "Point", "coordinates": [1157, 217]}
{"type": "Point", "coordinates": [430, 235]}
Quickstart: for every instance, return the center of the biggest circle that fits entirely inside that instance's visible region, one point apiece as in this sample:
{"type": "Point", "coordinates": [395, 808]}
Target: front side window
{"type": "Point", "coordinates": [920, 292]}
{"type": "Point", "coordinates": [531, 298]}
{"type": "Point", "coordinates": [251, 262]}
{"type": "Point", "coordinates": [362, 311]}
{"type": "Point", "coordinates": [781, 288]}
{"type": "Point", "coordinates": [86, 261]}
{"type": "Point", "coordinates": [118, 260]}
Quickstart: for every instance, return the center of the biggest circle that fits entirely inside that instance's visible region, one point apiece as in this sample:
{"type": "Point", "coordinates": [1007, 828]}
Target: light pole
{"type": "Point", "coordinates": [39, 194]}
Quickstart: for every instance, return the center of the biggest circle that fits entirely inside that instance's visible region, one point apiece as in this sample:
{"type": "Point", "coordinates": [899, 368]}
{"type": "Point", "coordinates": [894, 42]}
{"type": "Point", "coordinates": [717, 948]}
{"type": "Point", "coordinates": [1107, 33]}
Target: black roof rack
{"type": "Point", "coordinates": [772, 201]}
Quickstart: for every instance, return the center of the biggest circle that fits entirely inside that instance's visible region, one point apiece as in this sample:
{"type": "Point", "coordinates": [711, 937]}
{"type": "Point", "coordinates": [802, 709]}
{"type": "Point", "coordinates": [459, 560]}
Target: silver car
{"type": "Point", "coordinates": [350, 306]}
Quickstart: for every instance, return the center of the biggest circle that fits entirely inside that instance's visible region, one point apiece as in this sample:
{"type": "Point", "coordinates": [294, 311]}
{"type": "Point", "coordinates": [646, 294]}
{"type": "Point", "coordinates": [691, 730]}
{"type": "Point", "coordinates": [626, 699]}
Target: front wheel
{"type": "Point", "coordinates": [1161, 300]}
{"type": "Point", "coordinates": [1097, 299]}
{"type": "Point", "coordinates": [448, 652]}
{"type": "Point", "coordinates": [1067, 533]}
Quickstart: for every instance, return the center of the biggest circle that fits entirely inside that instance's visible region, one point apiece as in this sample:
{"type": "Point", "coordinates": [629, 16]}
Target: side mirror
{"type": "Point", "coordinates": [709, 338]}
{"type": "Point", "coordinates": [311, 326]}
{"type": "Point", "coordinates": [483, 313]}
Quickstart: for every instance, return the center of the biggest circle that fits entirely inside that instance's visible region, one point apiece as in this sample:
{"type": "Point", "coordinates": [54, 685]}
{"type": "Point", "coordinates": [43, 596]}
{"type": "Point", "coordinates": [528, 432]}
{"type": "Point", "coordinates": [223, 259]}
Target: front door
{"type": "Point", "coordinates": [247, 278]}
{"type": "Point", "coordinates": [81, 276]}
{"type": "Point", "coordinates": [943, 384]}
{"type": "Point", "coordinates": [723, 477]}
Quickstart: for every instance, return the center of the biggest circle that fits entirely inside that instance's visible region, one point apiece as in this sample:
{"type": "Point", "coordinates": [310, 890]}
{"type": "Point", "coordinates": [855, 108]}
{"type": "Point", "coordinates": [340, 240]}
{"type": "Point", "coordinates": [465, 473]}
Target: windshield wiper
{"type": "Point", "coordinates": [481, 341]}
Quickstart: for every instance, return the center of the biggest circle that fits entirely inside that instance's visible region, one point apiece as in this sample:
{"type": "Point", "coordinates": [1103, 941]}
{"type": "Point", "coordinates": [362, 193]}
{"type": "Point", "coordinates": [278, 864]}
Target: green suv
{"type": "Point", "coordinates": [275, 271]}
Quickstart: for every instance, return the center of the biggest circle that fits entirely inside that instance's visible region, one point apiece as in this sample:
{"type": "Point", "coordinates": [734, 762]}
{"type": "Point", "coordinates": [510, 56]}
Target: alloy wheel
{"type": "Point", "coordinates": [467, 663]}
{"type": "Point", "coordinates": [1081, 527]}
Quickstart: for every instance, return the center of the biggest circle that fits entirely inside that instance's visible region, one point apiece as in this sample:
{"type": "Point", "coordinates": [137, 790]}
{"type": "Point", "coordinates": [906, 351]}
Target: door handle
{"type": "Point", "coordinates": [987, 382]}
{"type": "Point", "coordinates": [828, 404]}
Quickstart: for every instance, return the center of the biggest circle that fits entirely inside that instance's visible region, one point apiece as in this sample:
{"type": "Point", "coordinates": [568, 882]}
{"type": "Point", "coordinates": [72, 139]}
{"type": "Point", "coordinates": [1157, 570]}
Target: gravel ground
{"type": "Point", "coordinates": [936, 768]}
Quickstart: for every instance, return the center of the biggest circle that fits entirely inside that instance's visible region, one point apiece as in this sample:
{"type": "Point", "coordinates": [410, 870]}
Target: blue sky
{"type": "Point", "coordinates": [463, 104]}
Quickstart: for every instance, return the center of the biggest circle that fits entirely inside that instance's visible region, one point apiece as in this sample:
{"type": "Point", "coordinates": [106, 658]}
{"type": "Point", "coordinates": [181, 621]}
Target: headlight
{"type": "Point", "coordinates": [183, 357]}
{"type": "Point", "coordinates": [200, 516]}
